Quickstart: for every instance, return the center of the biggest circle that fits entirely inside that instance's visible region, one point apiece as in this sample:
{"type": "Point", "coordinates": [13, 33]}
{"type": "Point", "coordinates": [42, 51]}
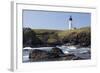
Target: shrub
{"type": "Point", "coordinates": [29, 38]}
{"type": "Point", "coordinates": [80, 37]}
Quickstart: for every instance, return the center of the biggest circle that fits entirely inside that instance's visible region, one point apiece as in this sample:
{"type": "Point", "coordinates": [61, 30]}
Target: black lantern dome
{"type": "Point", "coordinates": [70, 18]}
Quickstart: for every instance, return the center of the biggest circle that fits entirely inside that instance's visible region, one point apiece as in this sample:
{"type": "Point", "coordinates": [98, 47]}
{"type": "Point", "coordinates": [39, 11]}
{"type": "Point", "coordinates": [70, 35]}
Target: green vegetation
{"type": "Point", "coordinates": [81, 37]}
{"type": "Point", "coordinates": [30, 38]}
{"type": "Point", "coordinates": [43, 37]}
{"type": "Point", "coordinates": [68, 32]}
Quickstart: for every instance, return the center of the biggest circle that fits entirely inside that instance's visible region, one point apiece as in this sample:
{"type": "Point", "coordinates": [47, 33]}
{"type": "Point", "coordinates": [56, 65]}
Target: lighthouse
{"type": "Point", "coordinates": [70, 23]}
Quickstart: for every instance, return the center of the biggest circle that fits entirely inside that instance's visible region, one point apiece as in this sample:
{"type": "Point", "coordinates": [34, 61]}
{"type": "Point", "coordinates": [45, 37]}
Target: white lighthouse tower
{"type": "Point", "coordinates": [70, 23]}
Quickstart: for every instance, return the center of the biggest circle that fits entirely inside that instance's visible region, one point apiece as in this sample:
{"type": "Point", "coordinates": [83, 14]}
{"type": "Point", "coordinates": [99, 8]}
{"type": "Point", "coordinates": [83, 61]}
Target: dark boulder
{"type": "Point", "coordinates": [56, 52]}
{"type": "Point", "coordinates": [78, 58]}
{"type": "Point", "coordinates": [68, 57]}
{"type": "Point", "coordinates": [38, 55]}
{"type": "Point", "coordinates": [41, 55]}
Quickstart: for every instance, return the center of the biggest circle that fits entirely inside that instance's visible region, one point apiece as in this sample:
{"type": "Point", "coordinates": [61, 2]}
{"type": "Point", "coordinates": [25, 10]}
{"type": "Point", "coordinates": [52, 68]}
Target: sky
{"type": "Point", "coordinates": [54, 20]}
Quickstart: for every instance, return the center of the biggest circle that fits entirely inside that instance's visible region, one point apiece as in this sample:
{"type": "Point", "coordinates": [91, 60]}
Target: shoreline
{"type": "Point", "coordinates": [79, 52]}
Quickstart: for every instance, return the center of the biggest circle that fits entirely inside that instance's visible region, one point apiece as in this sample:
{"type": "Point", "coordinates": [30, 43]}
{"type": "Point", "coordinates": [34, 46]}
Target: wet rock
{"type": "Point", "coordinates": [69, 57]}
{"type": "Point", "coordinates": [78, 58]}
{"type": "Point", "coordinates": [41, 55]}
{"type": "Point", "coordinates": [36, 55]}
{"type": "Point", "coordinates": [56, 52]}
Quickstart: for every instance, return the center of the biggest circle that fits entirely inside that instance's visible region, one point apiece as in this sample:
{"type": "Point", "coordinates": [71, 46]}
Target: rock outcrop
{"type": "Point", "coordinates": [55, 54]}
{"type": "Point", "coordinates": [38, 55]}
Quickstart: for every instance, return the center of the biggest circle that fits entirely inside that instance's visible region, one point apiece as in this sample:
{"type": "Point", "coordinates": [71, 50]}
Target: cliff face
{"type": "Point", "coordinates": [44, 38]}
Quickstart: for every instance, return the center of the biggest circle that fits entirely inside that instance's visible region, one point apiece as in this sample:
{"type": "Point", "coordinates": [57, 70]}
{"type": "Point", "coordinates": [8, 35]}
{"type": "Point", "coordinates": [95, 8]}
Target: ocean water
{"type": "Point", "coordinates": [78, 52]}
